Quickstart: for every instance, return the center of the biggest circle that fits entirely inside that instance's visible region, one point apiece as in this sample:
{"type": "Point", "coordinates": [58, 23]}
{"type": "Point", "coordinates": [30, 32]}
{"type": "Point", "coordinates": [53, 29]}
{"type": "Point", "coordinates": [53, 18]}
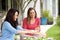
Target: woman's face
{"type": "Point", "coordinates": [32, 13]}
{"type": "Point", "coordinates": [15, 16]}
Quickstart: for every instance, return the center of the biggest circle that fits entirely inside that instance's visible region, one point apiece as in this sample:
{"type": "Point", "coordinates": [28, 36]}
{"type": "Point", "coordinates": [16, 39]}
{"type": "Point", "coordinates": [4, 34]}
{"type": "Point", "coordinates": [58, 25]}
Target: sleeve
{"type": "Point", "coordinates": [38, 22]}
{"type": "Point", "coordinates": [10, 28]}
{"type": "Point", "coordinates": [19, 28]}
{"type": "Point", "coordinates": [25, 24]}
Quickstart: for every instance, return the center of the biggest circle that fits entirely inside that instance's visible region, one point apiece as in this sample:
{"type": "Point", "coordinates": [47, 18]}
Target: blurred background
{"type": "Point", "coordinates": [47, 10]}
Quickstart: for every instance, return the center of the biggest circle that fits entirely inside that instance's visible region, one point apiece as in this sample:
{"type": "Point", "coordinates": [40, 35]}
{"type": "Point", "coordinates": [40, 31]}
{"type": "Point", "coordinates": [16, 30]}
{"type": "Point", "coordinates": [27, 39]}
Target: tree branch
{"type": "Point", "coordinates": [35, 3]}
{"type": "Point", "coordinates": [27, 4]}
{"type": "Point", "coordinates": [41, 7]}
{"type": "Point", "coordinates": [25, 1]}
{"type": "Point", "coordinates": [16, 2]}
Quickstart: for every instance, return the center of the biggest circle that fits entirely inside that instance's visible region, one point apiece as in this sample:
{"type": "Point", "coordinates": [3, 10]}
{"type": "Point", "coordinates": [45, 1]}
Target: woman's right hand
{"type": "Point", "coordinates": [28, 31]}
{"type": "Point", "coordinates": [34, 32]}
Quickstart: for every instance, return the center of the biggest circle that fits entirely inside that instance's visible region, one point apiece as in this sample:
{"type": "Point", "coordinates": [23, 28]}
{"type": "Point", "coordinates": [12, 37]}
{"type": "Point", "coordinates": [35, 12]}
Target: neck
{"type": "Point", "coordinates": [32, 18]}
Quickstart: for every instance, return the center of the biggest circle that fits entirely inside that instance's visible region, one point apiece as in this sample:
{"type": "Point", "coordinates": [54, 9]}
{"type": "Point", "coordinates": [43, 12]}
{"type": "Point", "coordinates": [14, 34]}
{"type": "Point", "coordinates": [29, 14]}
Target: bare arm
{"type": "Point", "coordinates": [25, 31]}
{"type": "Point", "coordinates": [28, 31]}
{"type": "Point", "coordinates": [37, 29]}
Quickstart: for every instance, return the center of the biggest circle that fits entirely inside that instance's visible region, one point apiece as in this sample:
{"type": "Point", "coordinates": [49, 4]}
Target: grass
{"type": "Point", "coordinates": [54, 32]}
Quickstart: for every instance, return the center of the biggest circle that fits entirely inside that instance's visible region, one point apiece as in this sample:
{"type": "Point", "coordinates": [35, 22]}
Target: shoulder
{"type": "Point", "coordinates": [6, 23]}
{"type": "Point", "coordinates": [37, 18]}
{"type": "Point", "coordinates": [25, 19]}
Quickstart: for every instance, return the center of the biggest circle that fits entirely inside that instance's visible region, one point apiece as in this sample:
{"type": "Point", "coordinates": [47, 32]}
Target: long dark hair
{"type": "Point", "coordinates": [28, 16]}
{"type": "Point", "coordinates": [9, 18]}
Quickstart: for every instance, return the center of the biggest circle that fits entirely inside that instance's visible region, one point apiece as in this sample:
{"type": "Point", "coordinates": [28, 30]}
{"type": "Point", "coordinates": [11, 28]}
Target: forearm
{"type": "Point", "coordinates": [37, 28]}
{"type": "Point", "coordinates": [23, 32]}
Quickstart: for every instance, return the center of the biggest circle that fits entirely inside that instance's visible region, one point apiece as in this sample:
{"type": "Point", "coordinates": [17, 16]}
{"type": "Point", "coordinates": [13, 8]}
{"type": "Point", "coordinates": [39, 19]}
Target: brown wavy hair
{"type": "Point", "coordinates": [28, 16]}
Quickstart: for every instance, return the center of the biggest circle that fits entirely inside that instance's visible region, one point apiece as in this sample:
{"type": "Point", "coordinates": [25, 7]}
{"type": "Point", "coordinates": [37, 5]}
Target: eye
{"type": "Point", "coordinates": [33, 12]}
{"type": "Point", "coordinates": [17, 15]}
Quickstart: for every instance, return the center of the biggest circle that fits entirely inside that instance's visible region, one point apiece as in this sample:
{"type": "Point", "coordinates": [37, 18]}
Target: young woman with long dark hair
{"type": "Point", "coordinates": [10, 26]}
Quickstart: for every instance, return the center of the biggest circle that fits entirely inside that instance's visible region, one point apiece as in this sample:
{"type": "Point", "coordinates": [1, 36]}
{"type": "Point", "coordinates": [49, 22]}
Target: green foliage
{"type": "Point", "coordinates": [46, 13]}
{"type": "Point", "coordinates": [50, 19]}
{"type": "Point", "coordinates": [39, 38]}
{"type": "Point", "coordinates": [29, 38]}
{"type": "Point", "coordinates": [58, 21]}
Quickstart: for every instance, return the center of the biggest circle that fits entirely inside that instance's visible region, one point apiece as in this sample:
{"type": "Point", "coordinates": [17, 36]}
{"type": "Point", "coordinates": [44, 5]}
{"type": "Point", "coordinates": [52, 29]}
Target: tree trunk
{"type": "Point", "coordinates": [41, 7]}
